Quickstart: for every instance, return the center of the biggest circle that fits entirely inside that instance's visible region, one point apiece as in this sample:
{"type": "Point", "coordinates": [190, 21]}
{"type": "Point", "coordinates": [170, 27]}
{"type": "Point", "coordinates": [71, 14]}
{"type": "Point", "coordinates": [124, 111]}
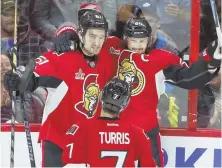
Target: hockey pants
{"type": "Point", "coordinates": [51, 155]}
{"type": "Point", "coordinates": [157, 152]}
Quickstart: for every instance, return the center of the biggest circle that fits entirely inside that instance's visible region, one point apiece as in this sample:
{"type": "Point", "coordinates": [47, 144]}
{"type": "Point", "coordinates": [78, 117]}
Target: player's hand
{"type": "Point", "coordinates": [172, 9]}
{"type": "Point", "coordinates": [173, 112]}
{"type": "Point", "coordinates": [12, 79]}
{"type": "Point", "coordinates": [64, 42]}
{"type": "Point", "coordinates": [125, 12]}
{"type": "Point", "coordinates": [213, 55]}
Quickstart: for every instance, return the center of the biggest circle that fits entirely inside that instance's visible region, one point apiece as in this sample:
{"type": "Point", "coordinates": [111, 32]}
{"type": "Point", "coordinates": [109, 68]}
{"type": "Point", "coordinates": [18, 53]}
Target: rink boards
{"type": "Point", "coordinates": [179, 151]}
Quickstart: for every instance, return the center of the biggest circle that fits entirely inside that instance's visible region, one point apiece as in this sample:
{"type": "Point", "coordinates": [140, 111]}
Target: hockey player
{"type": "Point", "coordinates": [107, 141]}
{"type": "Point", "coordinates": [78, 77]}
{"type": "Point", "coordinates": [140, 71]}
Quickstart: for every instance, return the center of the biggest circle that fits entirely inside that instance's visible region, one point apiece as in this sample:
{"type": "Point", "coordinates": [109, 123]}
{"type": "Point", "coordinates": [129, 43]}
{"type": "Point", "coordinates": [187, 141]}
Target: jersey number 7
{"type": "Point", "coordinates": [121, 156]}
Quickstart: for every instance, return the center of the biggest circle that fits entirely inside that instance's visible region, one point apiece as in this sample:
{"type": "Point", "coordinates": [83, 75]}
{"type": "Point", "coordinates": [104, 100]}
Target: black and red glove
{"type": "Point", "coordinates": [212, 54]}
{"type": "Point", "coordinates": [66, 39]}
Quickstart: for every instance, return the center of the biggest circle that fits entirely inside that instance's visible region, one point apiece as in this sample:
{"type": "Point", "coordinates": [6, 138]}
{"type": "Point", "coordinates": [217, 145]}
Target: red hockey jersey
{"type": "Point", "coordinates": [106, 142]}
{"type": "Point", "coordinates": [142, 72]}
{"type": "Point", "coordinates": [76, 96]}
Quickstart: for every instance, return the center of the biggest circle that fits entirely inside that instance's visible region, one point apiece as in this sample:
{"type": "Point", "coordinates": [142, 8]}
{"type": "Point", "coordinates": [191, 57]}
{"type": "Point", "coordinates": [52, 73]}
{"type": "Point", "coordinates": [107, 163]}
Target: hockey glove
{"type": "Point", "coordinates": [213, 55]}
{"type": "Point", "coordinates": [66, 40]}
{"type": "Point", "coordinates": [173, 112]}
{"type": "Point", "coordinates": [12, 80]}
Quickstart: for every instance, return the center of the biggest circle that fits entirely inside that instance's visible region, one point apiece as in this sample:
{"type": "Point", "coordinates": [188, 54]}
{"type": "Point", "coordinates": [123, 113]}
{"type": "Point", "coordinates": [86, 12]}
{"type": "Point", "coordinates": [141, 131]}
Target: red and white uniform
{"type": "Point", "coordinates": [140, 71]}
{"type": "Point", "coordinates": [105, 142]}
{"type": "Point", "coordinates": [77, 94]}
{"type": "Point", "coordinates": [143, 73]}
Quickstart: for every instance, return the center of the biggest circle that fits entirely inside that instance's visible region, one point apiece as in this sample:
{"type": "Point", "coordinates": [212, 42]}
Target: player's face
{"type": "Point", "coordinates": [137, 44]}
{"type": "Point", "coordinates": [5, 65]}
{"type": "Point", "coordinates": [7, 19]}
{"type": "Point", "coordinates": [129, 78]}
{"type": "Point", "coordinates": [94, 39]}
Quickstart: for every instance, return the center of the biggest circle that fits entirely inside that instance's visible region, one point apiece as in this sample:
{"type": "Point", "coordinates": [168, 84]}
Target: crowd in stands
{"type": "Point", "coordinates": [38, 20]}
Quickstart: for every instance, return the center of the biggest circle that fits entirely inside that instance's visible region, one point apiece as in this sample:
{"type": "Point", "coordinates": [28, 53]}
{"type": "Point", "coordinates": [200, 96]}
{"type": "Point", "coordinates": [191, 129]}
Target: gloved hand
{"type": "Point", "coordinates": [65, 42]}
{"type": "Point", "coordinates": [13, 79]}
{"type": "Point", "coordinates": [173, 112]}
{"type": "Point", "coordinates": [213, 55]}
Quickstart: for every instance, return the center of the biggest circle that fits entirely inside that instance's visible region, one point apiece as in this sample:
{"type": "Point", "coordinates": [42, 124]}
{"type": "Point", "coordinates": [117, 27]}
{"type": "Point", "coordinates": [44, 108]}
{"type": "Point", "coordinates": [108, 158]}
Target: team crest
{"type": "Point", "coordinates": [72, 130]}
{"type": "Point", "coordinates": [128, 72]}
{"type": "Point", "coordinates": [90, 98]}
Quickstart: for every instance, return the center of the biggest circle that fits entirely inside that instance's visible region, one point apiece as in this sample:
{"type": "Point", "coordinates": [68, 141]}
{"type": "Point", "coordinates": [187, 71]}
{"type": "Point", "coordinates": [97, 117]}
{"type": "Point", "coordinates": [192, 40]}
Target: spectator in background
{"type": "Point", "coordinates": [207, 25]}
{"type": "Point", "coordinates": [110, 9]}
{"type": "Point", "coordinates": [33, 102]}
{"type": "Point", "coordinates": [175, 18]}
{"type": "Point", "coordinates": [215, 120]}
{"type": "Point", "coordinates": [29, 43]}
{"type": "Point", "coordinates": [49, 15]}
{"type": "Point", "coordinates": [124, 12]}
{"type": "Point", "coordinates": [7, 24]}
{"type": "Point", "coordinates": [205, 104]}
{"type": "Point", "coordinates": [160, 40]}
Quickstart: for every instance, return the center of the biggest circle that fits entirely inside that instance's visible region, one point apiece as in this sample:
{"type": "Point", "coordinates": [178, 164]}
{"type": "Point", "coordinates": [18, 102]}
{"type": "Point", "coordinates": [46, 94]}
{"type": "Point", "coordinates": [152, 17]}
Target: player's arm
{"type": "Point", "coordinates": [142, 146]}
{"type": "Point", "coordinates": [74, 151]}
{"type": "Point", "coordinates": [198, 74]}
{"type": "Point", "coordinates": [45, 74]}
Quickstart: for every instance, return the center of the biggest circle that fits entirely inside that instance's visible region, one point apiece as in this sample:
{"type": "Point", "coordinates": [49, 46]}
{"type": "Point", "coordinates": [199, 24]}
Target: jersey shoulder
{"type": "Point", "coordinates": [138, 132]}
{"type": "Point", "coordinates": [161, 54]}
{"type": "Point", "coordinates": [113, 45]}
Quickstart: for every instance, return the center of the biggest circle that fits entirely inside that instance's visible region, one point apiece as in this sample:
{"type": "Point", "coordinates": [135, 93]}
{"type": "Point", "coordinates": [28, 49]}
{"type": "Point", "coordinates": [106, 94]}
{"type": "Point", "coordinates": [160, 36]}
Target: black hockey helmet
{"type": "Point", "coordinates": [88, 7]}
{"type": "Point", "coordinates": [115, 96]}
{"type": "Point", "coordinates": [93, 19]}
{"type": "Point", "coordinates": [138, 28]}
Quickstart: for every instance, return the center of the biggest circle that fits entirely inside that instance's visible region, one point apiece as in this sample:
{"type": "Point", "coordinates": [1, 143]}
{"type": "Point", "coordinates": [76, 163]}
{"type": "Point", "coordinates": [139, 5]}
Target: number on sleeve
{"type": "Point", "coordinates": [70, 150]}
{"type": "Point", "coordinates": [121, 156]}
{"type": "Point", "coordinates": [41, 60]}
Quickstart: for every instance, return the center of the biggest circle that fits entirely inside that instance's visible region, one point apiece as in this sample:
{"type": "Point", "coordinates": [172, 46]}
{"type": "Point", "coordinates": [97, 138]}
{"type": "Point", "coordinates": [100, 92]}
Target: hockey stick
{"type": "Point", "coordinates": [26, 77]}
{"type": "Point", "coordinates": [217, 23]}
{"type": "Point", "coordinates": [14, 62]}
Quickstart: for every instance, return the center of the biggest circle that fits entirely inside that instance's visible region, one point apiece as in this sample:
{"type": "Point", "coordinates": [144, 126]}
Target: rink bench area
{"type": "Point", "coordinates": [182, 148]}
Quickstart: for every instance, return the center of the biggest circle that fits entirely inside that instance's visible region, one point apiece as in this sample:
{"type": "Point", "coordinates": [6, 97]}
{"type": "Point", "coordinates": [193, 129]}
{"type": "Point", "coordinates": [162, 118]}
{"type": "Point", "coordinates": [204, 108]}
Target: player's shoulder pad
{"type": "Point", "coordinates": [112, 40]}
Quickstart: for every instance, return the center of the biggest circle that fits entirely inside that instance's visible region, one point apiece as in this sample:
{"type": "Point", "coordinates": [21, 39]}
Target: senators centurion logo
{"type": "Point", "coordinates": [128, 72]}
{"type": "Point", "coordinates": [90, 98]}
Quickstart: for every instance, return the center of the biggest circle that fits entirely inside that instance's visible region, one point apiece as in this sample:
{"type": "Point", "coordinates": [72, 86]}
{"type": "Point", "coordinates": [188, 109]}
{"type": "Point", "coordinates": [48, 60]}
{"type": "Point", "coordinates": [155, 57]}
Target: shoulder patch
{"type": "Point", "coordinates": [72, 130]}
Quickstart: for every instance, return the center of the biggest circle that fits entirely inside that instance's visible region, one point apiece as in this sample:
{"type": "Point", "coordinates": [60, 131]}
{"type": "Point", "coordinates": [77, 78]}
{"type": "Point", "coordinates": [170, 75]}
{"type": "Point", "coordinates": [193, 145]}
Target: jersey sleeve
{"type": "Point", "coordinates": [194, 77]}
{"type": "Point", "coordinates": [75, 148]}
{"type": "Point", "coordinates": [163, 59]}
{"type": "Point", "coordinates": [46, 64]}
{"type": "Point", "coordinates": [177, 72]}
{"type": "Point", "coordinates": [143, 149]}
